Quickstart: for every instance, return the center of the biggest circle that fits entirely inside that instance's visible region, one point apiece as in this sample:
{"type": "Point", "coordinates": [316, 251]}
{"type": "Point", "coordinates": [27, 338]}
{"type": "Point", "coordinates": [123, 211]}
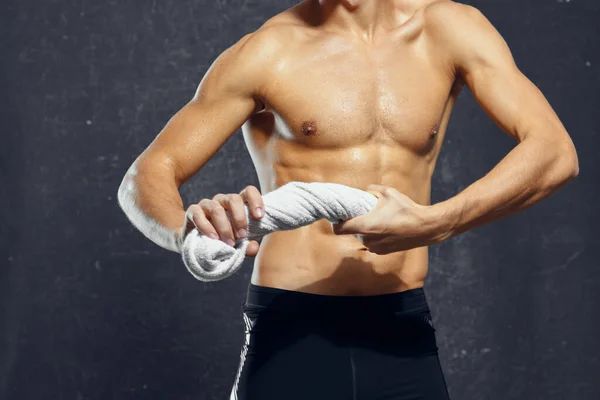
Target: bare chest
{"type": "Point", "coordinates": [341, 96]}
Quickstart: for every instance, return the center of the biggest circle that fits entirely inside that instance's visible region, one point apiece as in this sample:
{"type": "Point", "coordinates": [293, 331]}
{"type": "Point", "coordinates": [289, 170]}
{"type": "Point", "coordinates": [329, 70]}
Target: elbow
{"type": "Point", "coordinates": [124, 194]}
{"type": "Point", "coordinates": [571, 161]}
{"type": "Point", "coordinates": [128, 185]}
{"type": "Point", "coordinates": [567, 163]}
{"type": "Point", "coordinates": [126, 189]}
{"type": "Point", "coordinates": [574, 170]}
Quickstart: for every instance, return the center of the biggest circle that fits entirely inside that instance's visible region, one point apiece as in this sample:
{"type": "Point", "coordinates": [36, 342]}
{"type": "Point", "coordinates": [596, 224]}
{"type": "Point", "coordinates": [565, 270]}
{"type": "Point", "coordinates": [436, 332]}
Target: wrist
{"type": "Point", "coordinates": [442, 220]}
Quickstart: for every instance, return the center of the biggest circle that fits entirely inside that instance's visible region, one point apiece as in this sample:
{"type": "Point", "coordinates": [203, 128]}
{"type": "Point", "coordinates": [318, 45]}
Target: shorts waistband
{"type": "Point", "coordinates": [405, 302]}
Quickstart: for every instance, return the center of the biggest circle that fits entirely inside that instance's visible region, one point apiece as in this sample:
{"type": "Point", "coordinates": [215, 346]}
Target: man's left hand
{"type": "Point", "coordinates": [396, 223]}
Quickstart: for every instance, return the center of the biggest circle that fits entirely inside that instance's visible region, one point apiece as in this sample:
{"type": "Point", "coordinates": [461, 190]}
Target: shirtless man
{"type": "Point", "coordinates": [357, 93]}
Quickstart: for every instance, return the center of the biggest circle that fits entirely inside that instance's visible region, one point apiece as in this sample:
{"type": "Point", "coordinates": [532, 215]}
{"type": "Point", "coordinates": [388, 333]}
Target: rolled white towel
{"type": "Point", "coordinates": [291, 206]}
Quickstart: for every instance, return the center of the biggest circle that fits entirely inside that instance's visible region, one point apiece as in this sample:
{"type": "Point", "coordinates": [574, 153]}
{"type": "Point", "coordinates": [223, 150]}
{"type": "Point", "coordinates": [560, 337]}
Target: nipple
{"type": "Point", "coordinates": [309, 127]}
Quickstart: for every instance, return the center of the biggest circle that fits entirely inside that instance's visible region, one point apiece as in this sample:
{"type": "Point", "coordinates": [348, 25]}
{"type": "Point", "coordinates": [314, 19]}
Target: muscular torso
{"type": "Point", "coordinates": [342, 109]}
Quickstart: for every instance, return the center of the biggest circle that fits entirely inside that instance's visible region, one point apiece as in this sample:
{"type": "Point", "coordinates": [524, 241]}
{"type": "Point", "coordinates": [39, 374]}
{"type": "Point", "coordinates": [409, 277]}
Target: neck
{"type": "Point", "coordinates": [361, 17]}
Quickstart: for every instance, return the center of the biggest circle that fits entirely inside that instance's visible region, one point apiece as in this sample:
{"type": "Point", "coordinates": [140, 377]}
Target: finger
{"type": "Point", "coordinates": [252, 196]}
{"type": "Point", "coordinates": [368, 241]}
{"type": "Point", "coordinates": [381, 189]}
{"type": "Point", "coordinates": [215, 212]}
{"type": "Point", "coordinates": [375, 193]}
{"type": "Point", "coordinates": [252, 249]}
{"type": "Point", "coordinates": [195, 216]}
{"type": "Point", "coordinates": [352, 225]}
{"type": "Point", "coordinates": [237, 213]}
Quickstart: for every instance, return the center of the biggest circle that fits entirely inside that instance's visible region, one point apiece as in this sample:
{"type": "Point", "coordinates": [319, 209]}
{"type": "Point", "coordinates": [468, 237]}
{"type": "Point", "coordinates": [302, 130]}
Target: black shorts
{"type": "Point", "coordinates": [302, 346]}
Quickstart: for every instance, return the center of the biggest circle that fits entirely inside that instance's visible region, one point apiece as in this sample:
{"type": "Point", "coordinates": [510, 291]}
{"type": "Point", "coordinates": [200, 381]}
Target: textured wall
{"type": "Point", "coordinates": [90, 309]}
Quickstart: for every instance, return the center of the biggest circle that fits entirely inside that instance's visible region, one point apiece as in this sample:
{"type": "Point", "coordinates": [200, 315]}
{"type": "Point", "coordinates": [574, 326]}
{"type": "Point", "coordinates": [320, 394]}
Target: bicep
{"type": "Point", "coordinates": [221, 104]}
{"type": "Point", "coordinates": [197, 131]}
{"type": "Point", "coordinates": [515, 104]}
{"type": "Point", "coordinates": [485, 63]}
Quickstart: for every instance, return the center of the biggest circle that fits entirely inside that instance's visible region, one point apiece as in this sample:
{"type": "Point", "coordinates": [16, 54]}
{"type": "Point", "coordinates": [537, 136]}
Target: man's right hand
{"type": "Point", "coordinates": [210, 217]}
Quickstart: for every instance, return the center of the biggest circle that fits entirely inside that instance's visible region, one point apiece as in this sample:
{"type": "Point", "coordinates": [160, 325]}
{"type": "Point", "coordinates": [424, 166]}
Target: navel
{"type": "Point", "coordinates": [309, 127]}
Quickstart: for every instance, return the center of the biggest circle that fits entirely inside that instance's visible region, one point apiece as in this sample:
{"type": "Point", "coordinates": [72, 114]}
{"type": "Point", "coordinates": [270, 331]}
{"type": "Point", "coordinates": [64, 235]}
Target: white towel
{"type": "Point", "coordinates": [291, 206]}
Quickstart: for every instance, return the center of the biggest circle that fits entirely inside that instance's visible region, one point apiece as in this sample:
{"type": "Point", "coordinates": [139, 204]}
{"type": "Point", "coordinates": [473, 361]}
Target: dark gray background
{"type": "Point", "coordinates": [90, 309]}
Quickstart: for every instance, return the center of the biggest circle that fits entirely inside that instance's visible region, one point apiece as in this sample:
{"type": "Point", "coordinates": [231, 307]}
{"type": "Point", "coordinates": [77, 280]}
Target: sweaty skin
{"type": "Point", "coordinates": [356, 94]}
{"type": "Point", "coordinates": [376, 101]}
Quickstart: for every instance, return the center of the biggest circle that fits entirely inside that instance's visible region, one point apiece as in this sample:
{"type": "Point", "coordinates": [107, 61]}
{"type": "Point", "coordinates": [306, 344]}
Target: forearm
{"type": "Point", "coordinates": [150, 199]}
{"type": "Point", "coordinates": [532, 171]}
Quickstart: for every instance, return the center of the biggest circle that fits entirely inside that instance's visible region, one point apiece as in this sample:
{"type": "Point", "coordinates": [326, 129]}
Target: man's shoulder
{"type": "Point", "coordinates": [454, 28]}
{"type": "Point", "coordinates": [255, 56]}
{"type": "Point", "coordinates": [448, 17]}
{"type": "Point", "coordinates": [267, 42]}
{"type": "Point", "coordinates": [281, 30]}
{"type": "Point", "coordinates": [448, 8]}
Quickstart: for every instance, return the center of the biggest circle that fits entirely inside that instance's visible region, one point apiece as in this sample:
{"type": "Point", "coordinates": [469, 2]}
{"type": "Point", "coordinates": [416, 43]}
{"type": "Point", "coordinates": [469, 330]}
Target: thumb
{"type": "Point", "coordinates": [375, 193]}
{"type": "Point", "coordinates": [352, 225]}
{"type": "Point", "coordinates": [252, 249]}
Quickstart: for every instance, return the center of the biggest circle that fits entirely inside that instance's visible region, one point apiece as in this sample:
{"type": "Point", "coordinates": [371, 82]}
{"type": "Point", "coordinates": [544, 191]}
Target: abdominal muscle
{"type": "Point", "coordinates": [313, 259]}
{"type": "Point", "coordinates": [374, 113]}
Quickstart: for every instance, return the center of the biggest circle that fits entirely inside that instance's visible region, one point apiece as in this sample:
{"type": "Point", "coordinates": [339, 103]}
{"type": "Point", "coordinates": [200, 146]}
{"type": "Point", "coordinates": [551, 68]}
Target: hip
{"type": "Point", "coordinates": [395, 323]}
